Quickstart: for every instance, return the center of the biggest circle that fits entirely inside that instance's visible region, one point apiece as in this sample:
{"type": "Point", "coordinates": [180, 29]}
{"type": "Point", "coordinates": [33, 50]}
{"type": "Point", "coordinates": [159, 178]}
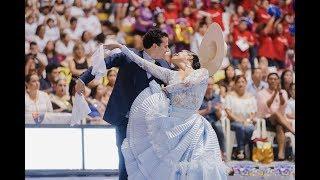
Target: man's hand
{"type": "Point", "coordinates": [80, 87]}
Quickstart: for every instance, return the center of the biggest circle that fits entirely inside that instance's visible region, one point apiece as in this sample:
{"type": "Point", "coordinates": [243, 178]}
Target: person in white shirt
{"type": "Point", "coordinates": [89, 3]}
{"type": "Point", "coordinates": [197, 37]}
{"type": "Point", "coordinates": [74, 31]}
{"type": "Point", "coordinates": [30, 27]}
{"type": "Point", "coordinates": [64, 19]}
{"type": "Point", "coordinates": [290, 109]}
{"type": "Point", "coordinates": [36, 101]}
{"type": "Point", "coordinates": [64, 46]}
{"type": "Point", "coordinates": [46, 14]}
{"type": "Point", "coordinates": [52, 31]}
{"type": "Point", "coordinates": [26, 47]}
{"type": "Point", "coordinates": [40, 37]}
{"type": "Point", "coordinates": [68, 3]}
{"type": "Point", "coordinates": [76, 9]}
{"type": "Point", "coordinates": [90, 23]}
{"type": "Point", "coordinates": [59, 7]}
{"type": "Point", "coordinates": [88, 43]}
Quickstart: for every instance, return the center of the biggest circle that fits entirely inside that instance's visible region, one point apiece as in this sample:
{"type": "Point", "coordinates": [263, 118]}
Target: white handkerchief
{"type": "Point", "coordinates": [242, 44]}
{"type": "Point", "coordinates": [98, 65]}
{"type": "Point", "coordinates": [80, 110]}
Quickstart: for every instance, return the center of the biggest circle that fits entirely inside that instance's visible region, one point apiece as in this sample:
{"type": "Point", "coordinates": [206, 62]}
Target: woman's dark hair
{"type": "Point", "coordinates": [289, 90]}
{"type": "Point", "coordinates": [238, 77]}
{"type": "Point", "coordinates": [50, 19]}
{"type": "Point", "coordinates": [72, 85]}
{"type": "Point", "coordinates": [225, 74]}
{"type": "Point", "coordinates": [27, 57]}
{"type": "Point", "coordinates": [282, 77]}
{"type": "Point", "coordinates": [223, 85]}
{"type": "Point", "coordinates": [73, 19]}
{"type": "Point", "coordinates": [63, 35]}
{"type": "Point", "coordinates": [202, 23]}
{"type": "Point", "coordinates": [51, 67]}
{"type": "Point", "coordinates": [156, 22]}
{"type": "Point", "coordinates": [195, 62]}
{"type": "Point", "coordinates": [28, 77]}
{"type": "Point", "coordinates": [153, 36]}
{"type": "Point", "coordinates": [46, 51]}
{"type": "Point", "coordinates": [82, 36]}
{"type": "Point", "coordinates": [100, 38]}
{"type": "Point", "coordinates": [38, 29]}
{"type": "Point", "coordinates": [94, 91]}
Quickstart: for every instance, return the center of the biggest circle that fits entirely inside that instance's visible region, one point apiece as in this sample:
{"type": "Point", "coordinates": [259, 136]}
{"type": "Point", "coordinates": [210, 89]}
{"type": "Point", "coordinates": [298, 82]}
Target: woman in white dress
{"type": "Point", "coordinates": [166, 137]}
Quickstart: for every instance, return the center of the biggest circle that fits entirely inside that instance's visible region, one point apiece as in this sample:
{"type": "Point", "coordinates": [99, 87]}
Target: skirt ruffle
{"type": "Point", "coordinates": [159, 146]}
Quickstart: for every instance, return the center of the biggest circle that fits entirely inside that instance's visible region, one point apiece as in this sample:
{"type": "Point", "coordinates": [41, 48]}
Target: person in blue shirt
{"type": "Point", "coordinates": [256, 84]}
{"type": "Point", "coordinates": [211, 110]}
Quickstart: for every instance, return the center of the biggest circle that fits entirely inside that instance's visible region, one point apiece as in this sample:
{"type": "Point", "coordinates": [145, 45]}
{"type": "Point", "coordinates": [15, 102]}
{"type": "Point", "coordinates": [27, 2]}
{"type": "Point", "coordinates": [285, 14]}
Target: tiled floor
{"type": "Point", "coordinates": [243, 169]}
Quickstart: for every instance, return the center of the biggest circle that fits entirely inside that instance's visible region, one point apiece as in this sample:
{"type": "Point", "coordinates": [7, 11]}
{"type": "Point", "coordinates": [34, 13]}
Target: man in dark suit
{"type": "Point", "coordinates": [131, 80]}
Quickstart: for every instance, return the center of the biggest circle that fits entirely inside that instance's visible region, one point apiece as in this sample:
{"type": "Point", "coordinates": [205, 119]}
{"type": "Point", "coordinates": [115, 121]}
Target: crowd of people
{"type": "Point", "coordinates": [255, 80]}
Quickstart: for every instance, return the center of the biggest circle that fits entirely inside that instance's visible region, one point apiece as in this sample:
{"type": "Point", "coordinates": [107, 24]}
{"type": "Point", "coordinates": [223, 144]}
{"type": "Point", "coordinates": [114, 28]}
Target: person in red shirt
{"type": "Point", "coordinates": [266, 47]}
{"type": "Point", "coordinates": [281, 44]}
{"type": "Point", "coordinates": [216, 12]}
{"type": "Point", "coordinates": [240, 34]}
{"type": "Point", "coordinates": [171, 12]}
{"type": "Point", "coordinates": [234, 19]}
{"type": "Point", "coordinates": [248, 4]}
{"type": "Point", "coordinates": [275, 2]}
{"type": "Point", "coordinates": [156, 3]}
{"type": "Point", "coordinates": [262, 13]}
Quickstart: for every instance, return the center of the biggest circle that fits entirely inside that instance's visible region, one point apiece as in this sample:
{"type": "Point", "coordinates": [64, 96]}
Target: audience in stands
{"type": "Point", "coordinates": [271, 106]}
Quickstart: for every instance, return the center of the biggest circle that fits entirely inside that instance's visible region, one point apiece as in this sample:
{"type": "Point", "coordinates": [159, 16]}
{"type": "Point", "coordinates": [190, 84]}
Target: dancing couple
{"type": "Point", "coordinates": [160, 135]}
